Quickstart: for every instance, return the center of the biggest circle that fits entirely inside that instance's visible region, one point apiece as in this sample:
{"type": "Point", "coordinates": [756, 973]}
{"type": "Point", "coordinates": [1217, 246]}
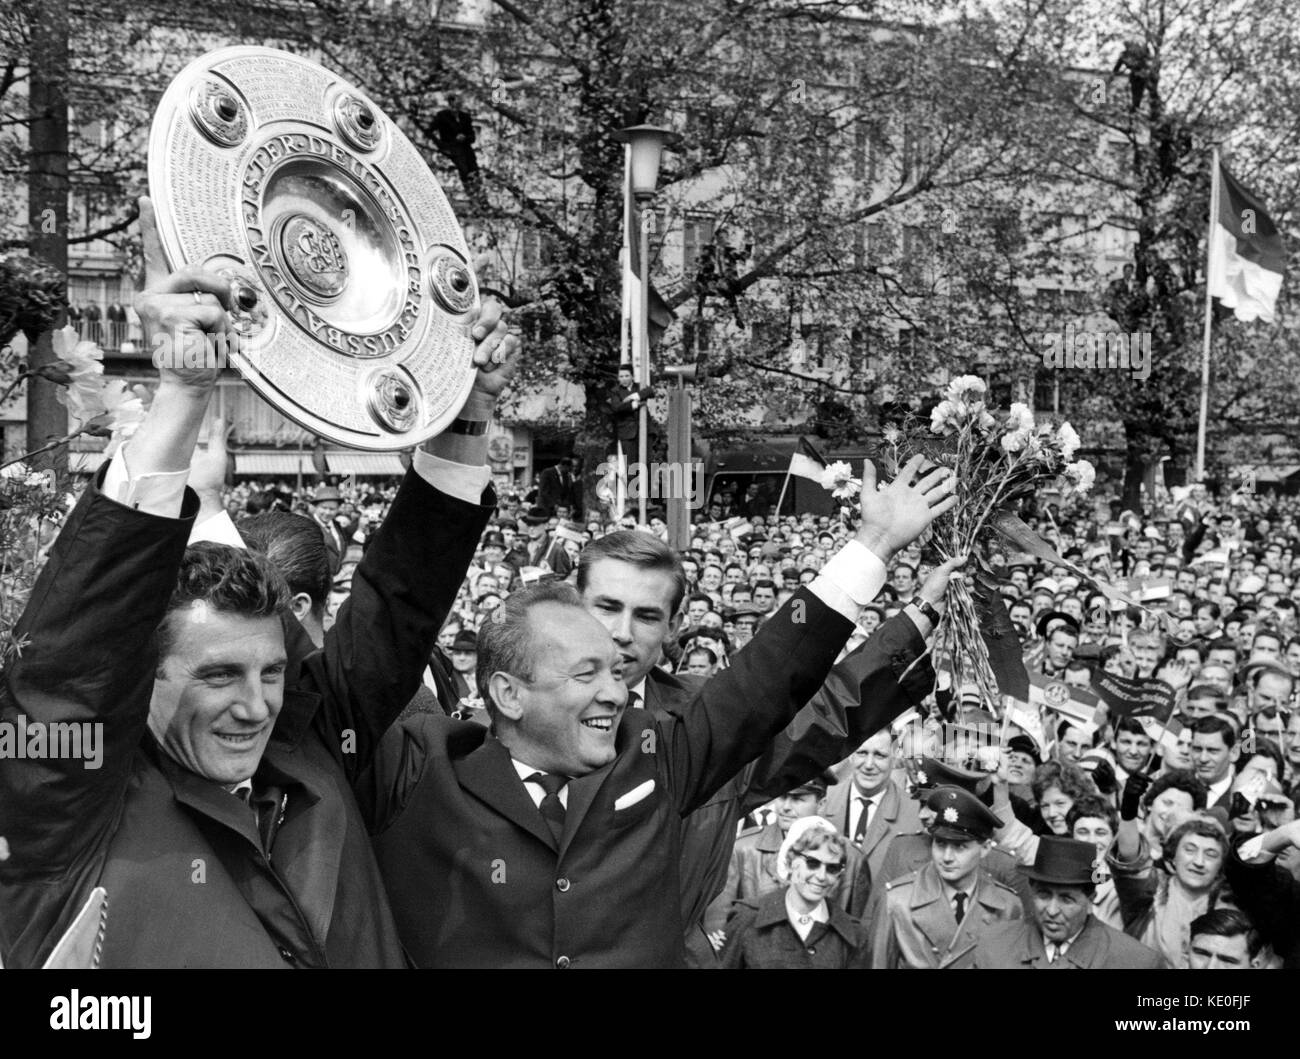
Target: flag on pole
{"type": "Point", "coordinates": [1169, 737]}
{"type": "Point", "coordinates": [1245, 254]}
{"type": "Point", "coordinates": [660, 314]}
{"type": "Point", "coordinates": [1027, 719]}
{"type": "Point", "coordinates": [807, 462]}
{"type": "Point", "coordinates": [1075, 704]}
{"type": "Point", "coordinates": [1149, 701]}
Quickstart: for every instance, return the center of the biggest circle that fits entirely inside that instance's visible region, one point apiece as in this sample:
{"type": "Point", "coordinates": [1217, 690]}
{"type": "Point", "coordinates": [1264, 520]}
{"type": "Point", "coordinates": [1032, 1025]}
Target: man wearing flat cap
{"type": "Point", "coordinates": [935, 916]}
{"type": "Point", "coordinates": [543, 549]}
{"type": "Point", "coordinates": [1063, 933]}
{"type": "Point", "coordinates": [1060, 639]}
{"type": "Point", "coordinates": [325, 504]}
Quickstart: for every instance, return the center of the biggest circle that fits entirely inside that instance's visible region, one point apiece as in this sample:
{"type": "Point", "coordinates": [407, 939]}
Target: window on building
{"type": "Point", "coordinates": [536, 248]}
{"type": "Point", "coordinates": [695, 337]}
{"type": "Point", "coordinates": [864, 154]}
{"type": "Point", "coordinates": [697, 235]}
{"type": "Point", "coordinates": [767, 336]}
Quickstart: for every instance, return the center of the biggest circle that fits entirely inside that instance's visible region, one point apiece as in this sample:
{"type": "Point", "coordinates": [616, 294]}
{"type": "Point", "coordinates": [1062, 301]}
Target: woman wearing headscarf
{"type": "Point", "coordinates": [799, 925]}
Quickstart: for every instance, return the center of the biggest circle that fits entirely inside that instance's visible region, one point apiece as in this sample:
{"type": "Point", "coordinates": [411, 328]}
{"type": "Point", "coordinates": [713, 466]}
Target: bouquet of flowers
{"type": "Point", "coordinates": [999, 459]}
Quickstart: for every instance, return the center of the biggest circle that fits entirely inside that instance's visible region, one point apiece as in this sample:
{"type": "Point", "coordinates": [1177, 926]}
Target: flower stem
{"type": "Point", "coordinates": [23, 376]}
{"type": "Point", "coordinates": [44, 448]}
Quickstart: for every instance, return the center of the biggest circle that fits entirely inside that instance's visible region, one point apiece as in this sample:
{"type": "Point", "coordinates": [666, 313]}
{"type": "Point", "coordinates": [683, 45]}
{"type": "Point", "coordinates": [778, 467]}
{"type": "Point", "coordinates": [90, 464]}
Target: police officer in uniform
{"type": "Point", "coordinates": [911, 852]}
{"type": "Point", "coordinates": [934, 917]}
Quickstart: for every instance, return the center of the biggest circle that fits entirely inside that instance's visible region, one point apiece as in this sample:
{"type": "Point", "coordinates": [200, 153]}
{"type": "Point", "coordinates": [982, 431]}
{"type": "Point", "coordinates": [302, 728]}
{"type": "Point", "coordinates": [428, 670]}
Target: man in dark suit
{"type": "Point", "coordinates": [559, 487]}
{"type": "Point", "coordinates": [1063, 933]}
{"type": "Point", "coordinates": [554, 839]}
{"type": "Point", "coordinates": [625, 415]}
{"type": "Point", "coordinates": [219, 819]}
{"type": "Point", "coordinates": [634, 585]}
{"type": "Point", "coordinates": [1214, 753]}
{"type": "Point", "coordinates": [338, 534]}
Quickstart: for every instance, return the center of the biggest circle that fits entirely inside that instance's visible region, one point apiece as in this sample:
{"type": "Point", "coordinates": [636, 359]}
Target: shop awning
{"type": "Point", "coordinates": [383, 464]}
{"type": "Point", "coordinates": [273, 463]}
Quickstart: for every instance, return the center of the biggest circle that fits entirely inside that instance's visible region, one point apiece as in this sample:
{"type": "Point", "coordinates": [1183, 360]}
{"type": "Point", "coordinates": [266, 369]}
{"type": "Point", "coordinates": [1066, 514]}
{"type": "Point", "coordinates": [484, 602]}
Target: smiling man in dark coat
{"type": "Point", "coordinates": [220, 821]}
{"type": "Point", "coordinates": [554, 840]}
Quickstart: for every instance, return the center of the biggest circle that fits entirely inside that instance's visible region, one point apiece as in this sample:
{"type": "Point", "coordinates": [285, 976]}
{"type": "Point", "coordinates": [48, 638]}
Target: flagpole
{"type": "Point", "coordinates": [784, 485]}
{"type": "Point", "coordinates": [1205, 345]}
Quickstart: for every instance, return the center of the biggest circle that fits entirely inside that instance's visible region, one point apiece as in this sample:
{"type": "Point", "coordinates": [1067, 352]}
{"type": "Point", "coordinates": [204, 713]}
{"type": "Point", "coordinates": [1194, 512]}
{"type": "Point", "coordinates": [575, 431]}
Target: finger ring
{"type": "Point", "coordinates": [198, 298]}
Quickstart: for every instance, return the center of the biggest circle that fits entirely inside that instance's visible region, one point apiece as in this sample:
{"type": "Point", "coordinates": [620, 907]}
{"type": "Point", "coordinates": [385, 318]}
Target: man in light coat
{"type": "Point", "coordinates": [935, 916]}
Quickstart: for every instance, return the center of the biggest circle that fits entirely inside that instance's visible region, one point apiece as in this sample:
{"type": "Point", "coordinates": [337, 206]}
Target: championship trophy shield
{"type": "Point", "coordinates": [353, 282]}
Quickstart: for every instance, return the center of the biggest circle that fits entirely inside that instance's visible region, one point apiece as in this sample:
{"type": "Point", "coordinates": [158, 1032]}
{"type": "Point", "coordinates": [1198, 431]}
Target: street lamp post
{"type": "Point", "coordinates": [646, 143]}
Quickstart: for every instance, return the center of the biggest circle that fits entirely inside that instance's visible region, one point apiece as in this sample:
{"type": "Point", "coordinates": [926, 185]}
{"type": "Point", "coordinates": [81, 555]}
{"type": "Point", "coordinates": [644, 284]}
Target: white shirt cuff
{"type": "Point", "coordinates": [218, 529]}
{"type": "Point", "coordinates": [850, 580]}
{"type": "Point", "coordinates": [161, 493]}
{"type": "Point", "coordinates": [455, 479]}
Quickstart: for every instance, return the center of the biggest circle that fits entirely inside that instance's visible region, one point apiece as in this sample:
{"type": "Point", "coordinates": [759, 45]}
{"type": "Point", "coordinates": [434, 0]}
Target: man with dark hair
{"type": "Point", "coordinates": [1214, 752]}
{"type": "Point", "coordinates": [222, 827]}
{"type": "Point", "coordinates": [1223, 652]}
{"type": "Point", "coordinates": [294, 546]}
{"type": "Point", "coordinates": [1063, 929]}
{"type": "Point", "coordinates": [579, 801]}
{"type": "Point", "coordinates": [1132, 747]}
{"type": "Point", "coordinates": [558, 487]}
{"type": "Point", "coordinates": [1224, 940]}
{"type": "Point", "coordinates": [765, 596]}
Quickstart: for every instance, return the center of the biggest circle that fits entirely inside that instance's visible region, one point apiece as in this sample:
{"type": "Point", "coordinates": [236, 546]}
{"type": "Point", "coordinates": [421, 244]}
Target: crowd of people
{"type": "Point", "coordinates": [429, 725]}
{"type": "Point", "coordinates": [1219, 582]}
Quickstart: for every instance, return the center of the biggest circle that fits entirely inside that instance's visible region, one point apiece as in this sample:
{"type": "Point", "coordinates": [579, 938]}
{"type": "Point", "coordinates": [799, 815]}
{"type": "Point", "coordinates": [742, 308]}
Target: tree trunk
{"type": "Point", "coordinates": [47, 209]}
{"type": "Point", "coordinates": [1134, 466]}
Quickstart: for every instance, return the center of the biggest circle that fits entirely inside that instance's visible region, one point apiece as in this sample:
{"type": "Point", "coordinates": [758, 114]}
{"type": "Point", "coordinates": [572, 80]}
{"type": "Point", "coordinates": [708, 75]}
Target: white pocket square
{"type": "Point", "coordinates": [636, 794]}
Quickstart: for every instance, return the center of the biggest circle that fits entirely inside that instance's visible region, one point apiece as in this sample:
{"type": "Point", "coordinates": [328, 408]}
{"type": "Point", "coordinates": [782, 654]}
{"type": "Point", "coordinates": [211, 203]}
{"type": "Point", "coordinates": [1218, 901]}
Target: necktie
{"type": "Point", "coordinates": [959, 903]}
{"type": "Point", "coordinates": [552, 809]}
{"type": "Point", "coordinates": [633, 700]}
{"type": "Point", "coordinates": [864, 818]}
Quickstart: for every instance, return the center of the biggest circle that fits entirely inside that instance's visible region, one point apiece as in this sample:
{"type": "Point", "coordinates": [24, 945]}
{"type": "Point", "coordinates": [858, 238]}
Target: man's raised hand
{"type": "Point", "coordinates": [934, 590]}
{"type": "Point", "coordinates": [896, 514]}
{"type": "Point", "coordinates": [176, 307]}
{"type": "Point", "coordinates": [496, 349]}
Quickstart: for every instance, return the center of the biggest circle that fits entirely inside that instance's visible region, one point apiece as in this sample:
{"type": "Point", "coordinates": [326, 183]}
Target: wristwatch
{"type": "Point", "coordinates": [473, 427]}
{"type": "Point", "coordinates": [925, 607]}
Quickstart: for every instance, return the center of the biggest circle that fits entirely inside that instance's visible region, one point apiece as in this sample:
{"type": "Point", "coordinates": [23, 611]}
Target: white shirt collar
{"type": "Point", "coordinates": [858, 796]}
{"type": "Point", "coordinates": [1218, 790]}
{"type": "Point", "coordinates": [803, 921]}
{"type": "Point", "coordinates": [639, 691]}
{"type": "Point", "coordinates": [535, 791]}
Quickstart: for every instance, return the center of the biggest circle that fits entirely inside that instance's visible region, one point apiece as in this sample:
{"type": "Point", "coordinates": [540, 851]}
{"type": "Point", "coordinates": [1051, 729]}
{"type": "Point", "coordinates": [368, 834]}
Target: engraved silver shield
{"type": "Point", "coordinates": [275, 172]}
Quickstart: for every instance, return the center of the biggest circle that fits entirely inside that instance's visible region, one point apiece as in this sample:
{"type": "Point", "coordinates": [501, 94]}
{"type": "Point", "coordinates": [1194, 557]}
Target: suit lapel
{"type": "Point", "coordinates": [209, 799]}
{"type": "Point", "coordinates": [308, 848]}
{"type": "Point", "coordinates": [583, 789]}
{"type": "Point", "coordinates": [837, 807]}
{"type": "Point", "coordinates": [1086, 950]}
{"type": "Point", "coordinates": [986, 901]}
{"type": "Point", "coordinates": [1034, 952]}
{"type": "Point", "coordinates": [930, 910]}
{"type": "Point", "coordinates": [882, 820]}
{"type": "Point", "coordinates": [488, 774]}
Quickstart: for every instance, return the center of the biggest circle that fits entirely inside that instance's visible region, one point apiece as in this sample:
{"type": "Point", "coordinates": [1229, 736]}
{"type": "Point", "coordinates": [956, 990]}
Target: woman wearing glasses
{"type": "Point", "coordinates": [800, 925]}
